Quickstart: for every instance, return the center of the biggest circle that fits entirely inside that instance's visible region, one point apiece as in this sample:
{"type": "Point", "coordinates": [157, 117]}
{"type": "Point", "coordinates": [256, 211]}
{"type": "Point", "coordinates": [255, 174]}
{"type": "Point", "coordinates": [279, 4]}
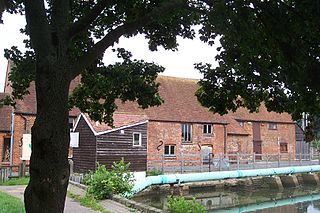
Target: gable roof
{"type": "Point", "coordinates": [121, 121]}
{"type": "Point", "coordinates": [5, 116]}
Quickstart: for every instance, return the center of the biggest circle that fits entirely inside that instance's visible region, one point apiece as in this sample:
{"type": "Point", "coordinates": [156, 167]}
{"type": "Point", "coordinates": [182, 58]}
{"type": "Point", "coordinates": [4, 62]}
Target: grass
{"type": "Point", "coordinates": [16, 181]}
{"type": "Point", "coordinates": [9, 204]}
{"type": "Point", "coordinates": [87, 201]}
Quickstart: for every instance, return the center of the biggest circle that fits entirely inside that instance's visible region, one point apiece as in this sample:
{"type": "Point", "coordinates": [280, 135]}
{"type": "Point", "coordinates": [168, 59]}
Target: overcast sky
{"type": "Point", "coordinates": [179, 63]}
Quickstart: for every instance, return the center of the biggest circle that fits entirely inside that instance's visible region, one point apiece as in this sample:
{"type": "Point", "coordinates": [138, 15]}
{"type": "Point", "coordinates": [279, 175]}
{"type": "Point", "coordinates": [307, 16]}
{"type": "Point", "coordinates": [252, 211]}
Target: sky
{"type": "Point", "coordinates": [178, 63]}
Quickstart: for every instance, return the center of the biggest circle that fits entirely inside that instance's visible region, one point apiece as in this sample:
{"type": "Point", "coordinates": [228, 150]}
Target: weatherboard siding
{"type": "Point", "coordinates": [113, 146]}
{"type": "Point", "coordinates": [84, 157]}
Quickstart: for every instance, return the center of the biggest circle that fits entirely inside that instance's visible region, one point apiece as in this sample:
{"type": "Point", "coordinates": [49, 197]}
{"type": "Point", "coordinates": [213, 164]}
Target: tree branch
{"type": "Point", "coordinates": [60, 13]}
{"type": "Point", "coordinates": [127, 28]}
{"type": "Point", "coordinates": [38, 26]}
{"type": "Point", "coordinates": [83, 23]}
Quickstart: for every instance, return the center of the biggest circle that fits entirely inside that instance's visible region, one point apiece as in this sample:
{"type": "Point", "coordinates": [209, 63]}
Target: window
{"type": "Point", "coordinates": [169, 150]}
{"type": "Point", "coordinates": [6, 150]}
{"type": "Point", "coordinates": [186, 132]}
{"type": "Point", "coordinates": [241, 123]}
{"type": "Point", "coordinates": [207, 129]}
{"type": "Point", "coordinates": [136, 139]}
{"type": "Point", "coordinates": [71, 123]}
{"type": "Point", "coordinates": [272, 126]}
{"type": "Point", "coordinates": [283, 147]}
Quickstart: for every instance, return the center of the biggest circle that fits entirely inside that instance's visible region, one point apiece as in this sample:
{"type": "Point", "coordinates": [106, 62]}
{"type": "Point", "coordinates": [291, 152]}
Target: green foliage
{"type": "Point", "coordinates": [181, 205]}
{"type": "Point", "coordinates": [87, 177]}
{"type": "Point", "coordinates": [269, 53]}
{"type": "Point", "coordinates": [131, 80]}
{"type": "Point", "coordinates": [10, 204]}
{"type": "Point", "coordinates": [16, 181]}
{"type": "Point", "coordinates": [103, 183]}
{"type": "Point", "coordinates": [154, 172]}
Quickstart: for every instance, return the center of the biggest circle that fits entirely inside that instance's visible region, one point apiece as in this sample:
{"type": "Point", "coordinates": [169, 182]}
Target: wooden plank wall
{"type": "Point", "coordinates": [84, 157]}
{"type": "Point", "coordinates": [113, 146]}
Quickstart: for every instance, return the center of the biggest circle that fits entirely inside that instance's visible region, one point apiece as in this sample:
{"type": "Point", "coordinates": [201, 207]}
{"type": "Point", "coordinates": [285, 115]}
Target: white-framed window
{"type": "Point", "coordinates": [207, 129]}
{"type": "Point", "coordinates": [272, 125]}
{"type": "Point", "coordinates": [186, 133]}
{"type": "Point", "coordinates": [136, 139]}
{"type": "Point", "coordinates": [169, 150]}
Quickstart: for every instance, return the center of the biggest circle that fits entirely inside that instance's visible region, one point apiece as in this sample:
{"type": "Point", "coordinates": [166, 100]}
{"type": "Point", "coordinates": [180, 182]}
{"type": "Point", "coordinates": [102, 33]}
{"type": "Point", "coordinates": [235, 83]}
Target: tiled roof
{"type": "Point", "coordinates": [180, 103]}
{"type": "Point", "coordinates": [28, 103]}
{"type": "Point", "coordinates": [262, 115]}
{"type": "Point", "coordinates": [120, 120]}
{"type": "Point", "coordinates": [5, 116]}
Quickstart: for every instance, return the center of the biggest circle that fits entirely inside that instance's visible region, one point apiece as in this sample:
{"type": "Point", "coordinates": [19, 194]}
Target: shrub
{"type": "Point", "coordinates": [99, 184]}
{"type": "Point", "coordinates": [103, 184]}
{"type": "Point", "coordinates": [181, 205]}
{"type": "Point", "coordinates": [154, 172]}
{"type": "Point", "coordinates": [121, 178]}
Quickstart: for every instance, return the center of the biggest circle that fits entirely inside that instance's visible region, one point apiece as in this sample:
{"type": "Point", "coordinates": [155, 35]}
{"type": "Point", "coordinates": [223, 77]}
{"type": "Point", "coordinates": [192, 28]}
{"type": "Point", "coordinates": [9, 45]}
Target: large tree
{"type": "Point", "coordinates": [269, 52]}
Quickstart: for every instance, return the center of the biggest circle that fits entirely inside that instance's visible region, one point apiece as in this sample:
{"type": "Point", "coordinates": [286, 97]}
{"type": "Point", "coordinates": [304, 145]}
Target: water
{"type": "Point", "coordinates": [303, 199]}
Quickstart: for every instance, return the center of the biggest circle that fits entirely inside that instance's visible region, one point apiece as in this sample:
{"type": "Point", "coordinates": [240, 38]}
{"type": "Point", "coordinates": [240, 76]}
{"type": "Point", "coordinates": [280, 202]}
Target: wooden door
{"type": "Point", "coordinates": [256, 139]}
{"type": "Point", "coordinates": [257, 149]}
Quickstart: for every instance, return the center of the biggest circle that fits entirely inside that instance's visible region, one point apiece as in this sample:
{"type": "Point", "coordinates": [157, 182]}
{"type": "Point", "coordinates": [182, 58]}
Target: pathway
{"type": "Point", "coordinates": [71, 205]}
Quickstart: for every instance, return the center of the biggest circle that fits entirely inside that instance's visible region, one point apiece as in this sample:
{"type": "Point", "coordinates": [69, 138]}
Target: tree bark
{"type": "Point", "coordinates": [49, 168]}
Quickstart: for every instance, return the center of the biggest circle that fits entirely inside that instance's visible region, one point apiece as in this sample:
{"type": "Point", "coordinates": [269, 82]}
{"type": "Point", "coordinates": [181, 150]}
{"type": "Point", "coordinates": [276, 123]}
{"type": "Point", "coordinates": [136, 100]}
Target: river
{"type": "Point", "coordinates": [303, 199]}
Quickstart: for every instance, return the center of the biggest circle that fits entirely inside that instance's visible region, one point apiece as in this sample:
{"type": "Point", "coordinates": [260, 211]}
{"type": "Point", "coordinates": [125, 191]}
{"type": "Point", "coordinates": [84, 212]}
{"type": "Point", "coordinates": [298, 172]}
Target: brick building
{"type": "Point", "coordinates": [180, 127]}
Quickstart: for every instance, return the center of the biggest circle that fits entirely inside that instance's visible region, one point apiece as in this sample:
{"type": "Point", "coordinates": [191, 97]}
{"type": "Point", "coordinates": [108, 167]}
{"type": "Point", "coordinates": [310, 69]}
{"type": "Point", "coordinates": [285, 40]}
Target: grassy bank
{"type": "Point", "coordinates": [16, 181]}
{"type": "Point", "coordinates": [9, 204]}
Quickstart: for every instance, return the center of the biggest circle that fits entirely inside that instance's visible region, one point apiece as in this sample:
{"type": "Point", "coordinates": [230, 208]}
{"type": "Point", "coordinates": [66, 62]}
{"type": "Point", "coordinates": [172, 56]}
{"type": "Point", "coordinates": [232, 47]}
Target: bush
{"type": "Point", "coordinates": [154, 172]}
{"type": "Point", "coordinates": [103, 184]}
{"type": "Point", "coordinates": [181, 205]}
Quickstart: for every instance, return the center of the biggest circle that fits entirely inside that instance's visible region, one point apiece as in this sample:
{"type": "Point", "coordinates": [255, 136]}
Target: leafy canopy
{"type": "Point", "coordinates": [269, 52]}
{"type": "Point", "coordinates": [76, 34]}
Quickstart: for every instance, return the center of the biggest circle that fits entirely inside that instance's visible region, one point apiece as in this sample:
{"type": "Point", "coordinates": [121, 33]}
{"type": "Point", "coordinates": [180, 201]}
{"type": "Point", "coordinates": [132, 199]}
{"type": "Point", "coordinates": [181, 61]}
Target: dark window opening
{"type": "Point", "coordinates": [207, 129]}
{"type": "Point", "coordinates": [283, 147]}
{"type": "Point", "coordinates": [272, 126]}
{"type": "Point", "coordinates": [186, 132]}
{"type": "Point", "coordinates": [169, 150]}
{"type": "Point", "coordinates": [6, 150]}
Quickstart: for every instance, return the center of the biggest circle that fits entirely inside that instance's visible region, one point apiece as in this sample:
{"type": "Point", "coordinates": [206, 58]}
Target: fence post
{"type": "Point", "coordinates": [238, 161]}
{"type": "Point", "coordinates": [279, 159]}
{"type": "Point", "coordinates": [220, 162]}
{"type": "Point", "coordinates": [201, 162]}
{"type": "Point", "coordinates": [289, 159]}
{"type": "Point", "coordinates": [300, 159]}
{"type": "Point", "coordinates": [181, 163]}
{"type": "Point", "coordinates": [254, 160]}
{"type": "Point", "coordinates": [162, 163]}
{"type": "Point", "coordinates": [267, 161]}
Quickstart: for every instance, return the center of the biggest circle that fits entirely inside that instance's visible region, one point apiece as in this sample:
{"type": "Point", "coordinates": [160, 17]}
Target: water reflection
{"type": "Point", "coordinates": [297, 200]}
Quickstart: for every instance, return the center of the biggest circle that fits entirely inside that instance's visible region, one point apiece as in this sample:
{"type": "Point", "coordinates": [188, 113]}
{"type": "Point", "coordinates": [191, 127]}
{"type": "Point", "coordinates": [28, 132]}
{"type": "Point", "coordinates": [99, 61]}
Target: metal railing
{"type": "Point", "coordinates": [184, 163]}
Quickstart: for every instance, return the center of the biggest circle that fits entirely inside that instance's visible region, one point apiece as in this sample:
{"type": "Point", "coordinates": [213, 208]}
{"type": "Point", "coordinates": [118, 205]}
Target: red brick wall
{"type": "Point", "coordinates": [169, 133]}
{"type": "Point", "coordinates": [19, 130]}
{"type": "Point", "coordinates": [271, 139]}
{"type": "Point", "coordinates": [166, 133]}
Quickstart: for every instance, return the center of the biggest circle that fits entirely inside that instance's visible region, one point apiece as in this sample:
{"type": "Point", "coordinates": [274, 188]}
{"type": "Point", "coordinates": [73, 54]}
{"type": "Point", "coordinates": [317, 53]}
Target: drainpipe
{"type": "Point", "coordinates": [11, 142]}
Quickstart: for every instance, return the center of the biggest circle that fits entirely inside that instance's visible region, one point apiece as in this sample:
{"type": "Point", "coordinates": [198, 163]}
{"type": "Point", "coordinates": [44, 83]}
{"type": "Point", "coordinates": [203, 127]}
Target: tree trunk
{"type": "Point", "coordinates": [49, 168]}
